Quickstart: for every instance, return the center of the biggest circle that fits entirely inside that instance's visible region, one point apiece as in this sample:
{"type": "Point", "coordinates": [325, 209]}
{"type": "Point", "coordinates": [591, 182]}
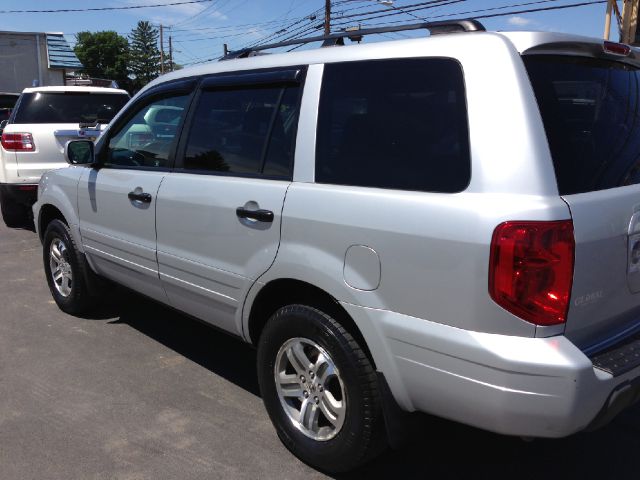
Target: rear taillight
{"type": "Point", "coordinates": [531, 269]}
{"type": "Point", "coordinates": [18, 142]}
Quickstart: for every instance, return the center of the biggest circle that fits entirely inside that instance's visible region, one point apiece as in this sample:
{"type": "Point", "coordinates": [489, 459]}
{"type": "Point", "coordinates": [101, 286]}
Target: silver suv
{"type": "Point", "coordinates": [448, 225]}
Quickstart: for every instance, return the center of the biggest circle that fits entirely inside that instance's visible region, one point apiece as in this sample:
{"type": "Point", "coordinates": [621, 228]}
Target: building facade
{"type": "Point", "coordinates": [31, 58]}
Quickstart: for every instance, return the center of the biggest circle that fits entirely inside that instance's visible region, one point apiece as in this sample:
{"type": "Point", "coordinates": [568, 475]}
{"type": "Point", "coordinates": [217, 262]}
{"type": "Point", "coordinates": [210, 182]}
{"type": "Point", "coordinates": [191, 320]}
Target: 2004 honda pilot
{"type": "Point", "coordinates": [448, 225]}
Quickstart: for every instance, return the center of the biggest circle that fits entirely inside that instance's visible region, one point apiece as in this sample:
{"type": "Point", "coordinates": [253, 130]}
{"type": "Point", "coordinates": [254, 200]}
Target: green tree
{"type": "Point", "coordinates": [144, 61]}
{"type": "Point", "coordinates": [104, 55]}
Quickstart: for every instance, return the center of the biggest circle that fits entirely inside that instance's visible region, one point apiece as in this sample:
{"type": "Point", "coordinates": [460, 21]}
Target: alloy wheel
{"type": "Point", "coordinates": [310, 389]}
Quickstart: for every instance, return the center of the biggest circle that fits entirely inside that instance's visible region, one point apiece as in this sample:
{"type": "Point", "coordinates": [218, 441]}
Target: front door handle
{"type": "Point", "coordinates": [259, 215]}
{"type": "Point", "coordinates": [140, 197]}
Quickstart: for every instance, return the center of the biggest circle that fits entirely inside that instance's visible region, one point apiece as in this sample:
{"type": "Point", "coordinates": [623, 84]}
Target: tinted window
{"type": "Point", "coordinates": [69, 107]}
{"type": "Point", "coordinates": [145, 140]}
{"type": "Point", "coordinates": [590, 109]}
{"type": "Point", "coordinates": [279, 159]}
{"type": "Point", "coordinates": [244, 131]}
{"type": "Point", "coordinates": [8, 101]}
{"type": "Point", "coordinates": [399, 124]}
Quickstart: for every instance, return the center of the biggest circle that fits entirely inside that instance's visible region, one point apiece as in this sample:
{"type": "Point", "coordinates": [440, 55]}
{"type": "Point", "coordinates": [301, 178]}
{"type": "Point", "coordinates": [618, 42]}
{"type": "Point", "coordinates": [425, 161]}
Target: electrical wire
{"type": "Point", "coordinates": [195, 16]}
{"type": "Point", "coordinates": [537, 2]}
{"type": "Point", "coordinates": [101, 9]}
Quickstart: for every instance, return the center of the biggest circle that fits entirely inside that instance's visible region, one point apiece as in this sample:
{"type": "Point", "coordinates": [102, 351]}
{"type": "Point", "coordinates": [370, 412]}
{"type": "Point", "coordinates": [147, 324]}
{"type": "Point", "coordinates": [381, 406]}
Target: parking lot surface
{"type": "Point", "coordinates": [138, 391]}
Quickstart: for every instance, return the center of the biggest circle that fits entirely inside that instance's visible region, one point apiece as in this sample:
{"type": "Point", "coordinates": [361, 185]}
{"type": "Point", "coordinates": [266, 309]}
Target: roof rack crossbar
{"type": "Point", "coordinates": [446, 26]}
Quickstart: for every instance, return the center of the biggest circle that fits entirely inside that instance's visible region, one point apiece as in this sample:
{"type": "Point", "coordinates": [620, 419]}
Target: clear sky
{"type": "Point", "coordinates": [198, 30]}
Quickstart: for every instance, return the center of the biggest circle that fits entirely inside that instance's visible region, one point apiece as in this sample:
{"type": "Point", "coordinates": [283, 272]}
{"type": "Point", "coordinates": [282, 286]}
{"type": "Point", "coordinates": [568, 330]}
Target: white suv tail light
{"type": "Point", "coordinates": [18, 142]}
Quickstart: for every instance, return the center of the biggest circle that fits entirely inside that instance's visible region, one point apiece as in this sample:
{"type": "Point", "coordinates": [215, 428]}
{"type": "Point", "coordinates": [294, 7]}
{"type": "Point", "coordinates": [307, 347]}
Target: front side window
{"type": "Point", "coordinates": [147, 138]}
{"type": "Point", "coordinates": [397, 124]}
{"type": "Point", "coordinates": [247, 131]}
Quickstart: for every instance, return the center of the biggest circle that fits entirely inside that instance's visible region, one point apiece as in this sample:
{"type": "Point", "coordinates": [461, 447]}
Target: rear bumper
{"type": "Point", "coordinates": [21, 193]}
{"type": "Point", "coordinates": [534, 387]}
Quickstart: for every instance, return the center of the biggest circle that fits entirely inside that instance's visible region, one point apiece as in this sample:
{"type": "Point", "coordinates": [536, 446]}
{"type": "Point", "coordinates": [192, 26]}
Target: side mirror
{"type": "Point", "coordinates": [79, 152]}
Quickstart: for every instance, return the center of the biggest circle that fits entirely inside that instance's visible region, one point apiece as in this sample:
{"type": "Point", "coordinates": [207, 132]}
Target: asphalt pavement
{"type": "Point", "coordinates": [137, 391]}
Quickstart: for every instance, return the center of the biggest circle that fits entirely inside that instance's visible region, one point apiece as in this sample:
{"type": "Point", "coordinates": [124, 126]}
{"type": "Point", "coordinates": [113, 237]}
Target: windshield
{"type": "Point", "coordinates": [590, 110]}
{"type": "Point", "coordinates": [69, 107]}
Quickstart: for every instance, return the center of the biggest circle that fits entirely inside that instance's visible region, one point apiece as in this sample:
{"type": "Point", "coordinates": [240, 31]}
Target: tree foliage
{"type": "Point", "coordinates": [144, 61]}
{"type": "Point", "coordinates": [104, 55]}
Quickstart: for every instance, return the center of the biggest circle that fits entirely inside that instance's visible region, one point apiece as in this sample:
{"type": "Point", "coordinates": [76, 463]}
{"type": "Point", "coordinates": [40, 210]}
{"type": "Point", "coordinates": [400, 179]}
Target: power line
{"type": "Point", "coordinates": [287, 30]}
{"type": "Point", "coordinates": [216, 28]}
{"type": "Point", "coordinates": [514, 12]}
{"type": "Point", "coordinates": [100, 9]}
{"type": "Point", "coordinates": [304, 29]}
{"type": "Point", "coordinates": [405, 10]}
{"type": "Point", "coordinates": [270, 22]}
{"type": "Point", "coordinates": [544, 9]}
{"type": "Point", "coordinates": [196, 15]}
{"type": "Point", "coordinates": [492, 15]}
{"type": "Point", "coordinates": [232, 35]}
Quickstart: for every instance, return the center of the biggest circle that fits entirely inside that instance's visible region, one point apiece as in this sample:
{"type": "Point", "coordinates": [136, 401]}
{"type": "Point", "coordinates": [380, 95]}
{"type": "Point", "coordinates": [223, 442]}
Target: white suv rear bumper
{"type": "Point", "coordinates": [536, 387]}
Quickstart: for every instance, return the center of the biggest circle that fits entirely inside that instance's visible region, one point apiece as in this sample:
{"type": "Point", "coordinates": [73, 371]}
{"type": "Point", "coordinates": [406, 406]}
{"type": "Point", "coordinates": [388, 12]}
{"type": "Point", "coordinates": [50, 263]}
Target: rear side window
{"type": "Point", "coordinates": [397, 124]}
{"type": "Point", "coordinates": [246, 131]}
{"type": "Point", "coordinates": [69, 107]}
{"type": "Point", "coordinates": [591, 114]}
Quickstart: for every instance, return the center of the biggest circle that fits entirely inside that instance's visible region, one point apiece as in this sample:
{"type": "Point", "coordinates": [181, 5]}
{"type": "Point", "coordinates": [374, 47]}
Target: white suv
{"type": "Point", "coordinates": [33, 138]}
{"type": "Point", "coordinates": [448, 225]}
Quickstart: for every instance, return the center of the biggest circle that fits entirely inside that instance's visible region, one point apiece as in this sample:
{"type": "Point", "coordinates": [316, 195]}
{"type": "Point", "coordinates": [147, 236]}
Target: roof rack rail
{"type": "Point", "coordinates": [334, 39]}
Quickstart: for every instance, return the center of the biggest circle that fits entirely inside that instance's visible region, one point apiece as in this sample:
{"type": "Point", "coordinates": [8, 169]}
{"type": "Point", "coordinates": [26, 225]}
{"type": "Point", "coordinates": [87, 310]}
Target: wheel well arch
{"type": "Point", "coordinates": [287, 291]}
{"type": "Point", "coordinates": [48, 213]}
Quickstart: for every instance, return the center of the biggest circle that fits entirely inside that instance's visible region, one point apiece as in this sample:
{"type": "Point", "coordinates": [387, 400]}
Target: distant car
{"type": "Point", "coordinates": [35, 133]}
{"type": "Point", "coordinates": [7, 102]}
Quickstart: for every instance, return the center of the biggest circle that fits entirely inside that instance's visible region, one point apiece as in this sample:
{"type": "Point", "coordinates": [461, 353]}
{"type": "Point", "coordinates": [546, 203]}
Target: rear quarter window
{"type": "Point", "coordinates": [397, 124]}
{"type": "Point", "coordinates": [591, 115]}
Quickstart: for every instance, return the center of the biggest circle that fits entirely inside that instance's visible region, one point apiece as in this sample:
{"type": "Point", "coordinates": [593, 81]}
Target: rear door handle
{"type": "Point", "coordinates": [140, 197]}
{"type": "Point", "coordinates": [259, 215]}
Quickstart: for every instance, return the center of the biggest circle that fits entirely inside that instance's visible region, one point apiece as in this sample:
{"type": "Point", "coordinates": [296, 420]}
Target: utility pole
{"type": "Point", "coordinates": [607, 19]}
{"type": "Point", "coordinates": [627, 20]}
{"type": "Point", "coordinates": [161, 50]}
{"type": "Point", "coordinates": [327, 17]}
{"type": "Point", "coordinates": [170, 54]}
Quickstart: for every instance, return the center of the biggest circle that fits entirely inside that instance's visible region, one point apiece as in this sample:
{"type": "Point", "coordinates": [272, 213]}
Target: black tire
{"type": "Point", "coordinates": [361, 436]}
{"type": "Point", "coordinates": [79, 299]}
{"type": "Point", "coordinates": [15, 215]}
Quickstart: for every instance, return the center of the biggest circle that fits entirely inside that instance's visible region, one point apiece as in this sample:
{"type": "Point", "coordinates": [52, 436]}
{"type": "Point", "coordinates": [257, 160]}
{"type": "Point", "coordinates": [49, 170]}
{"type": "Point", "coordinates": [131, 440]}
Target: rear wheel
{"type": "Point", "coordinates": [66, 269]}
{"type": "Point", "coordinates": [319, 389]}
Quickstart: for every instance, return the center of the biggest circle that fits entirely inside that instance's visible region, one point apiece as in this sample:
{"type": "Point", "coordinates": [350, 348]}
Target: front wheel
{"type": "Point", "coordinates": [320, 389]}
{"type": "Point", "coordinates": [66, 269]}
